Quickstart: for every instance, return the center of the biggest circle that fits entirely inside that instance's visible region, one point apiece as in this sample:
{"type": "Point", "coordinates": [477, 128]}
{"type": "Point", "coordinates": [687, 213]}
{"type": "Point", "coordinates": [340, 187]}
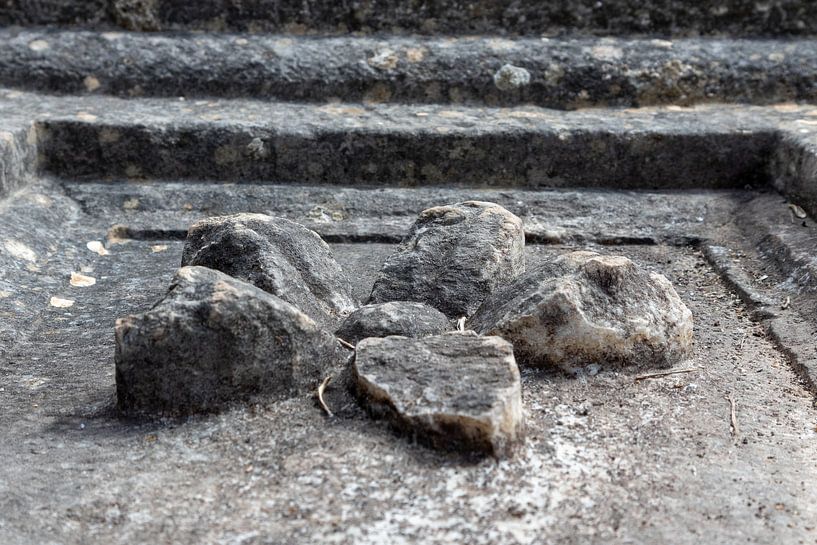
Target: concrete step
{"type": "Point", "coordinates": [565, 73]}
{"type": "Point", "coordinates": [664, 17]}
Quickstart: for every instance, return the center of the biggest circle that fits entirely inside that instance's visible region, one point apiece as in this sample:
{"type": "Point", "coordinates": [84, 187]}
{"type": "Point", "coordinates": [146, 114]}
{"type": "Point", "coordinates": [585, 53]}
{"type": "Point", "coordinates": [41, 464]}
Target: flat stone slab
{"type": "Point", "coordinates": [584, 308]}
{"type": "Point", "coordinates": [404, 318]}
{"type": "Point", "coordinates": [214, 340]}
{"type": "Point", "coordinates": [454, 257]}
{"type": "Point", "coordinates": [277, 255]}
{"type": "Point", "coordinates": [456, 390]}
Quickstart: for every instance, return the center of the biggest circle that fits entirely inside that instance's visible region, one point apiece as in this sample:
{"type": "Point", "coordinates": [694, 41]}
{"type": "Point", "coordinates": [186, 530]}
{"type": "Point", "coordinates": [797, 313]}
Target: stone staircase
{"type": "Point", "coordinates": [683, 136]}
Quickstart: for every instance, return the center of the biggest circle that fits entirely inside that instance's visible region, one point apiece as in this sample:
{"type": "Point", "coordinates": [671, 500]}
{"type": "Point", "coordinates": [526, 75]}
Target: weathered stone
{"type": "Point", "coordinates": [404, 318]}
{"type": "Point", "coordinates": [511, 77]}
{"type": "Point", "coordinates": [213, 340]}
{"type": "Point", "coordinates": [454, 257]}
{"type": "Point", "coordinates": [277, 255]}
{"type": "Point", "coordinates": [584, 308]}
{"type": "Point", "coordinates": [456, 390]}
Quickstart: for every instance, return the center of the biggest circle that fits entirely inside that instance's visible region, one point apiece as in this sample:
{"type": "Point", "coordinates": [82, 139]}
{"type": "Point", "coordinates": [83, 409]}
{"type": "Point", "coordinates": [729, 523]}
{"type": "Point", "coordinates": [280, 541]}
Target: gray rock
{"type": "Point", "coordinates": [404, 318]}
{"type": "Point", "coordinates": [511, 77]}
{"type": "Point", "coordinates": [214, 340]}
{"type": "Point", "coordinates": [455, 256]}
{"type": "Point", "coordinates": [277, 255]}
{"type": "Point", "coordinates": [585, 308]}
{"type": "Point", "coordinates": [456, 390]}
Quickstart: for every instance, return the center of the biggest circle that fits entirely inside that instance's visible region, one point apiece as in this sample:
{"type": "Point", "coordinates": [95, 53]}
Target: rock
{"type": "Point", "coordinates": [277, 255]}
{"type": "Point", "coordinates": [404, 318]}
{"type": "Point", "coordinates": [454, 257]}
{"type": "Point", "coordinates": [452, 391]}
{"type": "Point", "coordinates": [511, 77]}
{"type": "Point", "coordinates": [584, 308]}
{"type": "Point", "coordinates": [213, 340]}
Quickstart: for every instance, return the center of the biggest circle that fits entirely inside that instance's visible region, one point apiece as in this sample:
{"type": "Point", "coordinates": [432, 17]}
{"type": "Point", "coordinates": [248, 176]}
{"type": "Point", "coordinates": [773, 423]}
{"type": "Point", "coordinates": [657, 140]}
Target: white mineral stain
{"type": "Point", "coordinates": [85, 116]}
{"type": "Point", "coordinates": [158, 248]}
{"type": "Point", "coordinates": [82, 281]}
{"type": "Point", "coordinates": [19, 250]}
{"type": "Point", "coordinates": [131, 204]}
{"type": "Point", "coordinates": [59, 302]}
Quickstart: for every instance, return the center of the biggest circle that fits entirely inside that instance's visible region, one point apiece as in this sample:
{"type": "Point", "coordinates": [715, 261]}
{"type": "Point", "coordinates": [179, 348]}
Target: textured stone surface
{"type": "Point", "coordinates": [584, 308]}
{"type": "Point", "coordinates": [214, 340]}
{"type": "Point", "coordinates": [456, 390]}
{"type": "Point", "coordinates": [454, 257]}
{"type": "Point", "coordinates": [568, 73]}
{"type": "Point", "coordinates": [405, 318]}
{"type": "Point", "coordinates": [277, 255]}
{"type": "Point", "coordinates": [665, 17]}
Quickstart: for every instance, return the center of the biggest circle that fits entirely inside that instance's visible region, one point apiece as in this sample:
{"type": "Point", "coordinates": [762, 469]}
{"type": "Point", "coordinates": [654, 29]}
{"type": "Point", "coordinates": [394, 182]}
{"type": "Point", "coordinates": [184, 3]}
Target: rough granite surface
{"type": "Point", "coordinates": [403, 318]}
{"type": "Point", "coordinates": [213, 341]}
{"type": "Point", "coordinates": [457, 390]}
{"type": "Point", "coordinates": [584, 309]}
{"type": "Point", "coordinates": [277, 255]}
{"type": "Point", "coordinates": [454, 257]}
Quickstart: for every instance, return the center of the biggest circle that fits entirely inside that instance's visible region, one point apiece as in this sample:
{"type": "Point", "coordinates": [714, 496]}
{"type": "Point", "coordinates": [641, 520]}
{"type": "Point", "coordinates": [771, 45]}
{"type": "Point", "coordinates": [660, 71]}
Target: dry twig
{"type": "Point", "coordinates": [346, 344]}
{"type": "Point", "coordinates": [733, 419]}
{"type": "Point", "coordinates": [665, 373]}
{"type": "Point", "coordinates": [321, 389]}
{"type": "Point", "coordinates": [461, 324]}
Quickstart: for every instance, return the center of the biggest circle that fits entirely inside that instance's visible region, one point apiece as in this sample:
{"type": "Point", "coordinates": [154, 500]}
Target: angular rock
{"type": "Point", "coordinates": [214, 340]}
{"type": "Point", "coordinates": [404, 318]}
{"type": "Point", "coordinates": [456, 390]}
{"type": "Point", "coordinates": [455, 256]}
{"type": "Point", "coordinates": [278, 256]}
{"type": "Point", "coordinates": [584, 308]}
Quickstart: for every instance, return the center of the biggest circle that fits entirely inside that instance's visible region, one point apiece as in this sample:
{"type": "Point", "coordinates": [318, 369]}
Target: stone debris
{"type": "Point", "coordinates": [511, 77]}
{"type": "Point", "coordinates": [455, 256]}
{"type": "Point", "coordinates": [214, 340]}
{"type": "Point", "coordinates": [584, 308]}
{"type": "Point", "coordinates": [451, 391]}
{"type": "Point", "coordinates": [277, 255]}
{"type": "Point", "coordinates": [405, 318]}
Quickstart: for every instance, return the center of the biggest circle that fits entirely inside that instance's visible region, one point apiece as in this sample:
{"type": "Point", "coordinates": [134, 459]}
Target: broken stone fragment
{"type": "Point", "coordinates": [404, 318]}
{"type": "Point", "coordinates": [511, 77]}
{"type": "Point", "coordinates": [213, 340]}
{"type": "Point", "coordinates": [454, 257]}
{"type": "Point", "coordinates": [451, 391]}
{"type": "Point", "coordinates": [584, 308]}
{"type": "Point", "coordinates": [277, 255]}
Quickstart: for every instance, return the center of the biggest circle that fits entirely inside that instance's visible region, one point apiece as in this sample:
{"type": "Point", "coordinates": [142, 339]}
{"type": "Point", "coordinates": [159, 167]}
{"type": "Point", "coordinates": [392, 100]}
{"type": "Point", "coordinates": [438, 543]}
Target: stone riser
{"type": "Point", "coordinates": [667, 17]}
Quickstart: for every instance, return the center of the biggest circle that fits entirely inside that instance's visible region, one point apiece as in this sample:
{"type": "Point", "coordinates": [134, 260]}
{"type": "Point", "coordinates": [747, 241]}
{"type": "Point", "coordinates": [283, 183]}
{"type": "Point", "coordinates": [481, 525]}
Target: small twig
{"type": "Point", "coordinates": [742, 340]}
{"type": "Point", "coordinates": [461, 324]}
{"type": "Point", "coordinates": [733, 419]}
{"type": "Point", "coordinates": [321, 389]}
{"type": "Point", "coordinates": [665, 373]}
{"type": "Point", "coordinates": [347, 344]}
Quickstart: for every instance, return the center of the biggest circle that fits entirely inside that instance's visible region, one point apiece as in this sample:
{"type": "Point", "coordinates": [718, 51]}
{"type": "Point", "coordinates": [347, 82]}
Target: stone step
{"type": "Point", "coordinates": [666, 17]}
{"type": "Point", "coordinates": [565, 73]}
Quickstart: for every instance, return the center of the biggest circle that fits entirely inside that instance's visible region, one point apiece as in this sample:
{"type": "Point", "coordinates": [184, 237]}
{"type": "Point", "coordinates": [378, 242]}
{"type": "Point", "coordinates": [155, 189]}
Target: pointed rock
{"type": "Point", "coordinates": [455, 256]}
{"type": "Point", "coordinates": [277, 255]}
{"type": "Point", "coordinates": [584, 308]}
{"type": "Point", "coordinates": [213, 340]}
{"type": "Point", "coordinates": [452, 391]}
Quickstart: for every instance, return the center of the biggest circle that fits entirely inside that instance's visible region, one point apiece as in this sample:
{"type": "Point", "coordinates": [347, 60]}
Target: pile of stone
{"type": "Point", "coordinates": [260, 311]}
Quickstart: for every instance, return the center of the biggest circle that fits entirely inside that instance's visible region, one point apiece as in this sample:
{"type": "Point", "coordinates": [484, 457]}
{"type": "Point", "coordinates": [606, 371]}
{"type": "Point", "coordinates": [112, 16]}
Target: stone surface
{"type": "Point", "coordinates": [405, 318]}
{"type": "Point", "coordinates": [456, 390]}
{"type": "Point", "coordinates": [277, 255]}
{"type": "Point", "coordinates": [511, 77]}
{"type": "Point", "coordinates": [662, 17]}
{"type": "Point", "coordinates": [584, 308]}
{"type": "Point", "coordinates": [569, 73]}
{"type": "Point", "coordinates": [454, 257]}
{"type": "Point", "coordinates": [214, 340]}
